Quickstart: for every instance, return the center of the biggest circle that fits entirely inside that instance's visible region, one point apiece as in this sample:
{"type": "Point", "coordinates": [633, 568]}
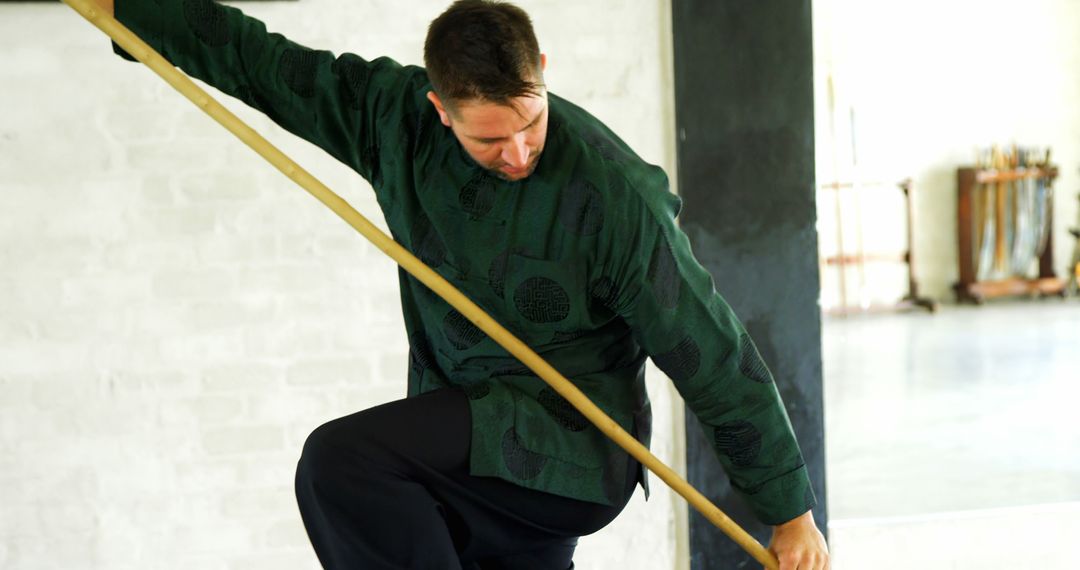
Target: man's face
{"type": "Point", "coordinates": [506, 140]}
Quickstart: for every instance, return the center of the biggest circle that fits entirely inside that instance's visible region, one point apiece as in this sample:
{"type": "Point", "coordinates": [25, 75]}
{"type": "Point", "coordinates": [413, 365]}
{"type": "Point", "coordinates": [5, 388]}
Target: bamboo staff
{"type": "Point", "coordinates": [133, 45]}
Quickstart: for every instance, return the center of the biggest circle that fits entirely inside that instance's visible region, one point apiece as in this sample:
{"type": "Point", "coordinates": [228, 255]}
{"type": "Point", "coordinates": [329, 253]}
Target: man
{"type": "Point", "coordinates": [546, 219]}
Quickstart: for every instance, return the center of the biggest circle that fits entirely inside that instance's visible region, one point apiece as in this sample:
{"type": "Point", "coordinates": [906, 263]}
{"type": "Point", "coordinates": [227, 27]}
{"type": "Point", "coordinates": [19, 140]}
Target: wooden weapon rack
{"type": "Point", "coordinates": [987, 200]}
{"type": "Point", "coordinates": [912, 300]}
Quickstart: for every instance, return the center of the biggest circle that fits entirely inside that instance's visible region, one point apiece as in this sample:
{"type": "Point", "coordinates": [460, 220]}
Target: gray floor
{"type": "Point", "coordinates": [970, 408]}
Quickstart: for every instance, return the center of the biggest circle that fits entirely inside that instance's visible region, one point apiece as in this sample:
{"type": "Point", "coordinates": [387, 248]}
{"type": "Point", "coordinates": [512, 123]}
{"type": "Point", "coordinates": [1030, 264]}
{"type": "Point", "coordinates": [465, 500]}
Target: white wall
{"type": "Point", "coordinates": [929, 81]}
{"type": "Point", "coordinates": [176, 317]}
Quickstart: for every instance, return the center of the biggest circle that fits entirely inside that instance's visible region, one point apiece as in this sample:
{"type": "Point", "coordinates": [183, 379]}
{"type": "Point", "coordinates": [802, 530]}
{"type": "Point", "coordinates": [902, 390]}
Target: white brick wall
{"type": "Point", "coordinates": [176, 317]}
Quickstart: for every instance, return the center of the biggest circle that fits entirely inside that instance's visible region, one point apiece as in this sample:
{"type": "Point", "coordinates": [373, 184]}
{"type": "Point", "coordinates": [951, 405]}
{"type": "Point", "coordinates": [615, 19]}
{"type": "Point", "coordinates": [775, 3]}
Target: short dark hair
{"type": "Point", "coordinates": [483, 49]}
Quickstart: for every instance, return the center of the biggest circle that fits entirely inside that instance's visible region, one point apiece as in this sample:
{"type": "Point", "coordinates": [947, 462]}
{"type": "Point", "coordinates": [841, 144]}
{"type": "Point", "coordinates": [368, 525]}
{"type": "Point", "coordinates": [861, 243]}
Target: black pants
{"type": "Point", "coordinates": [389, 487]}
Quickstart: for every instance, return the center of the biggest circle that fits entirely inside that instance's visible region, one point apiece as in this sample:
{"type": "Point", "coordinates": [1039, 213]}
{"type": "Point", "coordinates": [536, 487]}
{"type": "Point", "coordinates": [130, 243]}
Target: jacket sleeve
{"type": "Point", "coordinates": [337, 103]}
{"type": "Point", "coordinates": [653, 282]}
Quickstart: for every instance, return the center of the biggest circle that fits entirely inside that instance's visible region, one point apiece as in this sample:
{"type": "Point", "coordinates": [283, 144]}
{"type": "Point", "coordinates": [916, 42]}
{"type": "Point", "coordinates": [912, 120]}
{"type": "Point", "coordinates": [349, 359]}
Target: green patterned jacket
{"type": "Point", "coordinates": [582, 260]}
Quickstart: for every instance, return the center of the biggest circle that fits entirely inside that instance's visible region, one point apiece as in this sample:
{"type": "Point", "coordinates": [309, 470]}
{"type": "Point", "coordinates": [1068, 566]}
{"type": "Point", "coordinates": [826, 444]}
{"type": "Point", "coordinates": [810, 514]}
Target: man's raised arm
{"type": "Point", "coordinates": [333, 102]}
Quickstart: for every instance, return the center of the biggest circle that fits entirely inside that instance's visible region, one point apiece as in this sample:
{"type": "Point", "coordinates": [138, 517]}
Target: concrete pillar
{"type": "Point", "coordinates": [745, 119]}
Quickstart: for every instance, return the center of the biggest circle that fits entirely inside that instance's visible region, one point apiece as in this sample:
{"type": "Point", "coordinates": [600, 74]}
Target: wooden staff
{"type": "Point", "coordinates": [133, 45]}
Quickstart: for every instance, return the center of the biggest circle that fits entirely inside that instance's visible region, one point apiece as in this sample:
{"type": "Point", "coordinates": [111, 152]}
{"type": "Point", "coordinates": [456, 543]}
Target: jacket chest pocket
{"type": "Point", "coordinates": [544, 299]}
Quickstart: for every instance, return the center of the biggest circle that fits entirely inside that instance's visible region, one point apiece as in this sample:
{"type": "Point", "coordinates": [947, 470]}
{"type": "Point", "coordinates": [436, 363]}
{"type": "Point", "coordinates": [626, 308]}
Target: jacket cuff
{"type": "Point", "coordinates": [781, 499]}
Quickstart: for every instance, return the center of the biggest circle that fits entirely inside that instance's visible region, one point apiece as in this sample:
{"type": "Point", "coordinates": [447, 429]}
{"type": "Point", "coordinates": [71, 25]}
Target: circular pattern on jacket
{"type": "Point", "coordinates": [581, 209]}
{"type": "Point", "coordinates": [353, 76]}
{"type": "Point", "coordinates": [561, 411]}
{"type": "Point", "coordinates": [542, 300]}
{"type": "Point", "coordinates": [750, 362]}
{"type": "Point", "coordinates": [426, 242]}
{"type": "Point", "coordinates": [207, 21]}
{"type": "Point", "coordinates": [460, 331]}
{"type": "Point", "coordinates": [298, 68]}
{"type": "Point", "coordinates": [521, 462]}
{"type": "Point", "coordinates": [605, 292]}
{"type": "Point", "coordinates": [420, 356]}
{"type": "Point", "coordinates": [664, 275]}
{"type": "Point", "coordinates": [682, 362]}
{"type": "Point", "coordinates": [739, 440]}
{"type": "Point", "coordinates": [477, 197]}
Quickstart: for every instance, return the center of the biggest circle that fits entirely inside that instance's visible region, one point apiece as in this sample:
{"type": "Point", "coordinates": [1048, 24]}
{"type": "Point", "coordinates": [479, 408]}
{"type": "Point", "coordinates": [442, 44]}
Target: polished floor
{"type": "Point", "coordinates": [952, 423]}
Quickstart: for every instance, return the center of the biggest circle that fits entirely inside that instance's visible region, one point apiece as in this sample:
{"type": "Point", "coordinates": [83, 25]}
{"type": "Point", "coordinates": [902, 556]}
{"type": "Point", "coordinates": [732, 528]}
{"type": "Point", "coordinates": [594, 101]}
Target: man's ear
{"type": "Point", "coordinates": [443, 115]}
{"type": "Point", "coordinates": [543, 62]}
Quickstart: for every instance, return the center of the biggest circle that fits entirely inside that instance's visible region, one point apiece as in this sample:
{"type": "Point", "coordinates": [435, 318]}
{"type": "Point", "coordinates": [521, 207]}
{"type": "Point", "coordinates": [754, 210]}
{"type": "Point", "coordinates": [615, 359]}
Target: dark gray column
{"type": "Point", "coordinates": [745, 116]}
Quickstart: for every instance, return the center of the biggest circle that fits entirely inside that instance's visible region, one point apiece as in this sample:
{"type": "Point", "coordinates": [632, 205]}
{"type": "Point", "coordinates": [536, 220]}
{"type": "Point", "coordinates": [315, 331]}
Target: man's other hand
{"type": "Point", "coordinates": [799, 545]}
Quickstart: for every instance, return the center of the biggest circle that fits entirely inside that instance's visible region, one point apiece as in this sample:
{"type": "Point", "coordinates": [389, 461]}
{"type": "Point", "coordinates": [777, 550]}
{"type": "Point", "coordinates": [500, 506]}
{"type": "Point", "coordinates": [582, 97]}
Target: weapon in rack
{"type": "Point", "coordinates": [1074, 266]}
